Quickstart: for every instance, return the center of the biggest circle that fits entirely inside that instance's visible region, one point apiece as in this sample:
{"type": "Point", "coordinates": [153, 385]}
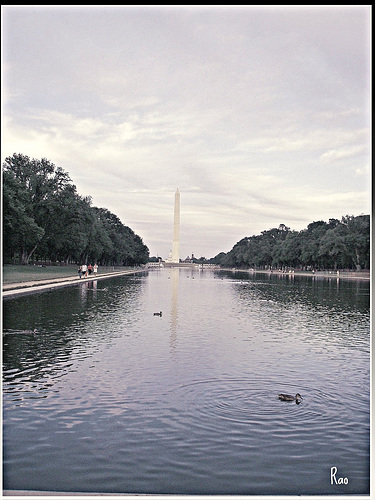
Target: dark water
{"type": "Point", "coordinates": [108, 397]}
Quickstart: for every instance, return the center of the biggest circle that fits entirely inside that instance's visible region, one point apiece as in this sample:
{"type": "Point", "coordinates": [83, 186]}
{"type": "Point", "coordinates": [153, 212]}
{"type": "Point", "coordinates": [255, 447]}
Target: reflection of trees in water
{"type": "Point", "coordinates": [317, 309]}
{"type": "Point", "coordinates": [68, 321]}
{"type": "Point", "coordinates": [318, 292]}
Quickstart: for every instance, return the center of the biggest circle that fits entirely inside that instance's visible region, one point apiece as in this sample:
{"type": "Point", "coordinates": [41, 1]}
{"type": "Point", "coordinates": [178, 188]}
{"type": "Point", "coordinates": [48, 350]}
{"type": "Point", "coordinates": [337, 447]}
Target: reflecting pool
{"type": "Point", "coordinates": [106, 397]}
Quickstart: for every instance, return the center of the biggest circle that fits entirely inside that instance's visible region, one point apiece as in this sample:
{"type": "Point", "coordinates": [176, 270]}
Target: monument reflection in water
{"type": "Point", "coordinates": [109, 398]}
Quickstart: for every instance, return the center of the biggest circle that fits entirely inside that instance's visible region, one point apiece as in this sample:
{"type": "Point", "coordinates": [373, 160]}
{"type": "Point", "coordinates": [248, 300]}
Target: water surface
{"type": "Point", "coordinates": [109, 398]}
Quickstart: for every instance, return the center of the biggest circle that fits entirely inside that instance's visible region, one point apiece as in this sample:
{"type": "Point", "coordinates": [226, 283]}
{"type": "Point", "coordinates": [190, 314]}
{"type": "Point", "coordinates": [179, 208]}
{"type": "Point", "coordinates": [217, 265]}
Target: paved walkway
{"type": "Point", "coordinates": [26, 493]}
{"type": "Point", "coordinates": [15, 289]}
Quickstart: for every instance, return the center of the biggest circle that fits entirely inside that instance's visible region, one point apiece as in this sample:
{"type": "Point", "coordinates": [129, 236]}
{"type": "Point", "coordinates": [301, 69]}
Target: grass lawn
{"type": "Point", "coordinates": [18, 274]}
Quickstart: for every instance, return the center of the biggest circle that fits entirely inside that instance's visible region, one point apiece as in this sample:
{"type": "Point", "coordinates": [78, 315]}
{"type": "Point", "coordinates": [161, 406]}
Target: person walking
{"type": "Point", "coordinates": [80, 272]}
{"type": "Point", "coordinates": [95, 268]}
{"type": "Point", "coordinates": [84, 270]}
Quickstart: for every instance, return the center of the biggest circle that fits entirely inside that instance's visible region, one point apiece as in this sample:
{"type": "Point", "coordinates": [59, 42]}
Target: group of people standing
{"type": "Point", "coordinates": [85, 270]}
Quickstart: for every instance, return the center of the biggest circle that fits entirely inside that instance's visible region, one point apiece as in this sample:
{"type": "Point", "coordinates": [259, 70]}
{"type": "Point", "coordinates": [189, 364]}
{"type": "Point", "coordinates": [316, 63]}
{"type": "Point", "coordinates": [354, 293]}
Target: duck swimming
{"type": "Point", "coordinates": [288, 397]}
{"type": "Point", "coordinates": [158, 314]}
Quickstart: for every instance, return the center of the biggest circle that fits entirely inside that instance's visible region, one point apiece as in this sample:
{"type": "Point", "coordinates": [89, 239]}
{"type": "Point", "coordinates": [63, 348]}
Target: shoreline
{"type": "Point", "coordinates": [352, 275]}
{"type": "Point", "coordinates": [25, 287]}
{"type": "Point", "coordinates": [32, 286]}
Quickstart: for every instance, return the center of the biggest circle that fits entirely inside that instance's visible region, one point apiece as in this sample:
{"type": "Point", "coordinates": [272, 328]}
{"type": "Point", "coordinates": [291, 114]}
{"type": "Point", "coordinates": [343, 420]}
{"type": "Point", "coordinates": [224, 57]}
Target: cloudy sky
{"type": "Point", "coordinates": [259, 115]}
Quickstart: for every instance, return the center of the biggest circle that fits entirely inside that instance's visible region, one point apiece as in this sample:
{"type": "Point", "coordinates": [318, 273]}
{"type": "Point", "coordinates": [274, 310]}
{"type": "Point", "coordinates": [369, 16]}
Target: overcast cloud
{"type": "Point", "coordinates": [259, 115]}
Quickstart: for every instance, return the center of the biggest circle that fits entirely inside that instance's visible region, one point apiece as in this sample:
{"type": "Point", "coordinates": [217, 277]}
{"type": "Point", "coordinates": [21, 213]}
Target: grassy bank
{"type": "Point", "coordinates": [19, 274]}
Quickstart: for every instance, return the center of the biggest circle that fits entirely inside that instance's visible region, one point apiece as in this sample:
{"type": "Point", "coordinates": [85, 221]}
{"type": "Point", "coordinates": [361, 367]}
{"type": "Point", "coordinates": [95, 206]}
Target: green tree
{"type": "Point", "coordinates": [357, 239]}
{"type": "Point", "coordinates": [69, 221]}
{"type": "Point", "coordinates": [336, 244]}
{"type": "Point", "coordinates": [44, 217]}
{"type": "Point", "coordinates": [21, 234]}
{"type": "Point", "coordinates": [332, 248]}
{"type": "Point", "coordinates": [38, 183]}
{"type": "Point", "coordinates": [310, 242]}
{"type": "Point", "coordinates": [270, 245]}
{"type": "Point", "coordinates": [128, 248]}
{"type": "Point", "coordinates": [287, 251]}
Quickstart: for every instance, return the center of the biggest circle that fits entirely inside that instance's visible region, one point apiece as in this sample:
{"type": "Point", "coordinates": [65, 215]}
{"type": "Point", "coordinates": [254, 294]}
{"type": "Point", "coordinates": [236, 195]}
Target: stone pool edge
{"type": "Point", "coordinates": [32, 287]}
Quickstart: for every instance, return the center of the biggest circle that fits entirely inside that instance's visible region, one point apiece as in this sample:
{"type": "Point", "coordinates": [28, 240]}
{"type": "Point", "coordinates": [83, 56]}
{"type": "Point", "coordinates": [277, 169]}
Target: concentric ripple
{"type": "Point", "coordinates": [216, 403]}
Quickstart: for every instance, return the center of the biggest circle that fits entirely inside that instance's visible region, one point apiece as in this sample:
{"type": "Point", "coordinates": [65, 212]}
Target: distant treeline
{"type": "Point", "coordinates": [45, 219]}
{"type": "Point", "coordinates": [337, 244]}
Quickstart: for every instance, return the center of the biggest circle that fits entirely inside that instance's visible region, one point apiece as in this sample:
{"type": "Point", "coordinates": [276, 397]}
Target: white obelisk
{"type": "Point", "coordinates": [176, 229]}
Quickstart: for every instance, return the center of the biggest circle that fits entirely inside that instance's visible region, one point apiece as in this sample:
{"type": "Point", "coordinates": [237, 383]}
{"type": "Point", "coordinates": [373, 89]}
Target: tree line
{"type": "Point", "coordinates": [45, 219]}
{"type": "Point", "coordinates": [336, 244]}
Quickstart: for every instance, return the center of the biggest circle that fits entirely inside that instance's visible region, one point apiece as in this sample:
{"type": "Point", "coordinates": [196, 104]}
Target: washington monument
{"type": "Point", "coordinates": [176, 229]}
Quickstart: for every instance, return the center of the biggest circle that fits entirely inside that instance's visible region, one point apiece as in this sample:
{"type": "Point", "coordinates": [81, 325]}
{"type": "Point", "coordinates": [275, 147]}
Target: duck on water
{"type": "Point", "coordinates": [288, 397]}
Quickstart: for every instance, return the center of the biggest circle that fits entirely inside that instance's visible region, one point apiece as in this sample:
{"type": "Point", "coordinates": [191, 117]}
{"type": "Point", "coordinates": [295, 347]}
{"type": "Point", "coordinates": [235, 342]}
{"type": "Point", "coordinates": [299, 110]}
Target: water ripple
{"type": "Point", "coordinates": [214, 403]}
{"type": "Point", "coordinates": [107, 398]}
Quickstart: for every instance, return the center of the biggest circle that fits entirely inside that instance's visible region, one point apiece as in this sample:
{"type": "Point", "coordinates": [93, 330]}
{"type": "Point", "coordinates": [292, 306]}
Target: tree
{"type": "Point", "coordinates": [332, 248]}
{"type": "Point", "coordinates": [38, 183]}
{"type": "Point", "coordinates": [287, 251]}
{"type": "Point", "coordinates": [310, 241]}
{"type": "Point", "coordinates": [357, 239]}
{"type": "Point", "coordinates": [128, 248]}
{"type": "Point", "coordinates": [20, 231]}
{"type": "Point", "coordinates": [335, 244]}
{"type": "Point", "coordinates": [44, 217]}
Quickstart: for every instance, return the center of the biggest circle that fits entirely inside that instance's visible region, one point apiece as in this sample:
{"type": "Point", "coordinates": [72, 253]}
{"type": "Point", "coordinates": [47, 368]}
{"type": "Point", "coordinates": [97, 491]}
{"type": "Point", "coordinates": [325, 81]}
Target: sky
{"type": "Point", "coordinates": [259, 115]}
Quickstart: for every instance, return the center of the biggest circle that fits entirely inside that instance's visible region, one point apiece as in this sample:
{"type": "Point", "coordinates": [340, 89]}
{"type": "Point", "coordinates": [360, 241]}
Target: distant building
{"type": "Point", "coordinates": [155, 264]}
{"type": "Point", "coordinates": [190, 260]}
